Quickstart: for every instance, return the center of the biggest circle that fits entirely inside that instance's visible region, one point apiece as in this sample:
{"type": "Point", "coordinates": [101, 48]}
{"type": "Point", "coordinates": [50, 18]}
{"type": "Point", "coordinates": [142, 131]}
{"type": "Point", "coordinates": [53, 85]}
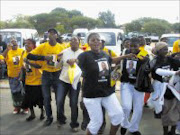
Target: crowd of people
{"type": "Point", "coordinates": [148, 77]}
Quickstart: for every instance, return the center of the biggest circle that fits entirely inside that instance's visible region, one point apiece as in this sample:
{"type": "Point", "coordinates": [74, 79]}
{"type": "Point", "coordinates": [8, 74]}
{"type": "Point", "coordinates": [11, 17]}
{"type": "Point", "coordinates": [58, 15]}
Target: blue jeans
{"type": "Point", "coordinates": [2, 70]}
{"type": "Point", "coordinates": [66, 88]}
{"type": "Point", "coordinates": [50, 79]}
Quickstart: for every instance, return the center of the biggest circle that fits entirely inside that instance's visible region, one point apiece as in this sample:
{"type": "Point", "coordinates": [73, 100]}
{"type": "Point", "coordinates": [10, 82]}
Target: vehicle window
{"type": "Point", "coordinates": [171, 40]}
{"type": "Point", "coordinates": [70, 35]}
{"type": "Point", "coordinates": [6, 37]}
{"type": "Point", "coordinates": [110, 38]}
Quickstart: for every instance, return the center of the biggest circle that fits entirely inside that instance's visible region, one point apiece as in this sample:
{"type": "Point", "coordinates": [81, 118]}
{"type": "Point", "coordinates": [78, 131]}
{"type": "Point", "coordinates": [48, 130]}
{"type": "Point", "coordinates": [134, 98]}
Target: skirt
{"type": "Point", "coordinates": [171, 112]}
{"type": "Point", "coordinates": [33, 96]}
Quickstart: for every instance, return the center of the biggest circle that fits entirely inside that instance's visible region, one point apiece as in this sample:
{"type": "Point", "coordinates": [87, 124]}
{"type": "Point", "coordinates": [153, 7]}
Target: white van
{"type": "Point", "coordinates": [171, 38]}
{"type": "Point", "coordinates": [82, 32]}
{"type": "Point", "coordinates": [113, 37]}
{"type": "Point", "coordinates": [20, 34]}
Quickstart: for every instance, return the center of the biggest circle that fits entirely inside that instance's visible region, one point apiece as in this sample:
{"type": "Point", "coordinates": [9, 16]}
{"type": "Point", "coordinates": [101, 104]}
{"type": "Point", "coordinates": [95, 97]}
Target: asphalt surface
{"type": "Point", "coordinates": [15, 124]}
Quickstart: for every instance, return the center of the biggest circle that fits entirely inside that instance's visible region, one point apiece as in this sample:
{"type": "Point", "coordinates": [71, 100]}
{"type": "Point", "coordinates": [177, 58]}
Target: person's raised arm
{"type": "Point", "coordinates": [118, 59]}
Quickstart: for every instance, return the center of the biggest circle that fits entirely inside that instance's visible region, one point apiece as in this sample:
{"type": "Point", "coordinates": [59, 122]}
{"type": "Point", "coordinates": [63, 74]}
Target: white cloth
{"type": "Point", "coordinates": [174, 86]}
{"type": "Point", "coordinates": [94, 108]}
{"type": "Point", "coordinates": [156, 99]}
{"type": "Point", "coordinates": [67, 54]}
{"type": "Point", "coordinates": [164, 72]}
{"type": "Point", "coordinates": [131, 97]}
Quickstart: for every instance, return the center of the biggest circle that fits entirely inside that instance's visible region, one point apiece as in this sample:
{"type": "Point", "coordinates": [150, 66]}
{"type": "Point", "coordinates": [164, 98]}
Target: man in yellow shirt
{"type": "Point", "coordinates": [48, 53]}
{"type": "Point", "coordinates": [176, 46]}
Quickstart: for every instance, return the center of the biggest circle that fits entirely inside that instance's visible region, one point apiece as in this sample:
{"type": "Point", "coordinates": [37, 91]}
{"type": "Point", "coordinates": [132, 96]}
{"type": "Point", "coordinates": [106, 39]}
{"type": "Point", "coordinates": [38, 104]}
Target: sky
{"type": "Point", "coordinates": [125, 11]}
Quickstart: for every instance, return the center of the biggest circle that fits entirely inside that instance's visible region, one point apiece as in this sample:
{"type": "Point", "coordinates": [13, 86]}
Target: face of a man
{"type": "Point", "coordinates": [52, 36]}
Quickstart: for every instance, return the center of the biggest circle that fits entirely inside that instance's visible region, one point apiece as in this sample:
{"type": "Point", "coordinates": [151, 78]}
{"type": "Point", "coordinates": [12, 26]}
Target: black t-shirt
{"type": "Point", "coordinates": [130, 69]}
{"type": "Point", "coordinates": [3, 46]}
{"type": "Point", "coordinates": [168, 63]}
{"type": "Point", "coordinates": [96, 74]}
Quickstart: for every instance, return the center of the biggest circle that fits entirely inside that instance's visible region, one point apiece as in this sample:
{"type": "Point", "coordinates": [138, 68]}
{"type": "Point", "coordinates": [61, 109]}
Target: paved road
{"type": "Point", "coordinates": [16, 125]}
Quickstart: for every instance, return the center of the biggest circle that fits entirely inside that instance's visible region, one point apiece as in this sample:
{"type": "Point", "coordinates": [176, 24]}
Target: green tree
{"type": "Point", "coordinates": [133, 26]}
{"type": "Point", "coordinates": [176, 27]}
{"type": "Point", "coordinates": [108, 19]}
{"type": "Point", "coordinates": [156, 27]}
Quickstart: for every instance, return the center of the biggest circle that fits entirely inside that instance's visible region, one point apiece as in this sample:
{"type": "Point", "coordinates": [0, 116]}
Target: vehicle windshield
{"type": "Point", "coordinates": [6, 36]}
{"type": "Point", "coordinates": [171, 40]}
{"type": "Point", "coordinates": [110, 38]}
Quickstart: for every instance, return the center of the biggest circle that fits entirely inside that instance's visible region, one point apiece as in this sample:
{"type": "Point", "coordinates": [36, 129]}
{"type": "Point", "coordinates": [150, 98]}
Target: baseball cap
{"type": "Point", "coordinates": [52, 30]}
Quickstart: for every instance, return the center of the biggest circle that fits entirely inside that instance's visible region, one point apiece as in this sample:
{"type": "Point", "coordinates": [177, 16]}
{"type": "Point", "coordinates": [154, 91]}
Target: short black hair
{"type": "Point", "coordinates": [32, 41]}
{"type": "Point", "coordinates": [134, 41]}
{"type": "Point", "coordinates": [90, 35]}
{"type": "Point", "coordinates": [52, 30]}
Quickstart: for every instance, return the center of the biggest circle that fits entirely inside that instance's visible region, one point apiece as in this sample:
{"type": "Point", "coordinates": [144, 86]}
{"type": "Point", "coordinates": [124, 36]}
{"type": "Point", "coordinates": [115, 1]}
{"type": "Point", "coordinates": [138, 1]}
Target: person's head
{"type": "Point", "coordinates": [0, 38]}
{"type": "Point", "coordinates": [134, 45]}
{"type": "Point", "coordinates": [94, 42]}
{"type": "Point", "coordinates": [74, 43]}
{"type": "Point", "coordinates": [52, 34]}
{"type": "Point", "coordinates": [30, 44]}
{"type": "Point", "coordinates": [164, 39]}
{"type": "Point", "coordinates": [103, 65]}
{"type": "Point", "coordinates": [161, 49]}
{"type": "Point", "coordinates": [14, 44]}
{"type": "Point", "coordinates": [142, 41]}
{"type": "Point", "coordinates": [103, 40]}
{"type": "Point", "coordinates": [126, 43]}
{"type": "Point", "coordinates": [131, 64]}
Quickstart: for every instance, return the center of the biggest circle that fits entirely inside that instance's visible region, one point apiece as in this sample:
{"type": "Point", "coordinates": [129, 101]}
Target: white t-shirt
{"type": "Point", "coordinates": [68, 54]}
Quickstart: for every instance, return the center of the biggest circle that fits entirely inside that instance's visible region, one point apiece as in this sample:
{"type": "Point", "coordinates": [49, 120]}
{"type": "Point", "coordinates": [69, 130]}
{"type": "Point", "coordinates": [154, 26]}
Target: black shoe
{"type": "Point", "coordinates": [30, 118]}
{"type": "Point", "coordinates": [41, 117]}
{"type": "Point", "coordinates": [123, 131]}
{"type": "Point", "coordinates": [48, 121]}
{"type": "Point", "coordinates": [136, 133]}
{"type": "Point", "coordinates": [101, 130]}
{"type": "Point", "coordinates": [61, 123]}
{"type": "Point", "coordinates": [157, 115]}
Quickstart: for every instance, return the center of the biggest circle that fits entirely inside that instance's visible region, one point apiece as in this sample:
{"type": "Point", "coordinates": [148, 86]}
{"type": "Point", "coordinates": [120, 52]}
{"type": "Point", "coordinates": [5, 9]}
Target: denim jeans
{"type": "Point", "coordinates": [66, 88]}
{"type": "Point", "coordinates": [49, 79]}
{"type": "Point", "coordinates": [2, 70]}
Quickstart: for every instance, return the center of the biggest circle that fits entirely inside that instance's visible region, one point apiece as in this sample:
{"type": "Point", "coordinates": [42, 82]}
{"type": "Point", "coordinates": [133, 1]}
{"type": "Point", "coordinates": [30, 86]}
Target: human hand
{"type": "Point", "coordinates": [131, 55]}
{"type": "Point", "coordinates": [48, 58]}
{"type": "Point", "coordinates": [71, 62]}
{"type": "Point", "coordinates": [177, 72]}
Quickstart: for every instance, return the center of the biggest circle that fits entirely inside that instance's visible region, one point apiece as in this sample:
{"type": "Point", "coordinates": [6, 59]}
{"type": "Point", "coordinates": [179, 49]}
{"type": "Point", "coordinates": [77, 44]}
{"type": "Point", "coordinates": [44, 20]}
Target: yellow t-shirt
{"type": "Point", "coordinates": [33, 75]}
{"type": "Point", "coordinates": [13, 62]}
{"type": "Point", "coordinates": [46, 49]}
{"type": "Point", "coordinates": [1, 57]}
{"type": "Point", "coordinates": [109, 52]}
{"type": "Point", "coordinates": [176, 46]}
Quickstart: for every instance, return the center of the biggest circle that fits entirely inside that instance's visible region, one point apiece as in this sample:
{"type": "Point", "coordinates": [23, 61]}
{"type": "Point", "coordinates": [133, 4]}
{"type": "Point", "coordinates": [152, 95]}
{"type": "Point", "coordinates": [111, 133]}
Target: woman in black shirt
{"type": "Point", "coordinates": [97, 91]}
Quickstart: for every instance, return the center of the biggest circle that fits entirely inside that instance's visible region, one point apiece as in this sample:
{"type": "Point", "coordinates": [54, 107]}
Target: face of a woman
{"type": "Point", "coordinates": [74, 43]}
{"type": "Point", "coordinates": [95, 43]}
{"type": "Point", "coordinates": [163, 51]}
{"type": "Point", "coordinates": [134, 48]}
{"type": "Point", "coordinates": [29, 46]}
{"type": "Point", "coordinates": [14, 45]}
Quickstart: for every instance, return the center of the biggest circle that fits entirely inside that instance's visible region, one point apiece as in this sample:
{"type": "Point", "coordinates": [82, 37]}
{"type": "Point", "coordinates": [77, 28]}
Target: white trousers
{"type": "Point", "coordinates": [94, 108]}
{"type": "Point", "coordinates": [131, 98]}
{"type": "Point", "coordinates": [156, 99]}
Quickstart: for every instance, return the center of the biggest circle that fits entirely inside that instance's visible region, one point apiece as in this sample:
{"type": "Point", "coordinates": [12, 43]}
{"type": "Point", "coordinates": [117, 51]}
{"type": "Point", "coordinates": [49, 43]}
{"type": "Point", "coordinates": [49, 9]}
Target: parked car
{"type": "Point", "coordinates": [154, 37]}
{"type": "Point", "coordinates": [81, 33]}
{"type": "Point", "coordinates": [170, 39]}
{"type": "Point", "coordinates": [67, 37]}
{"type": "Point", "coordinates": [20, 35]}
{"type": "Point", "coordinates": [113, 38]}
